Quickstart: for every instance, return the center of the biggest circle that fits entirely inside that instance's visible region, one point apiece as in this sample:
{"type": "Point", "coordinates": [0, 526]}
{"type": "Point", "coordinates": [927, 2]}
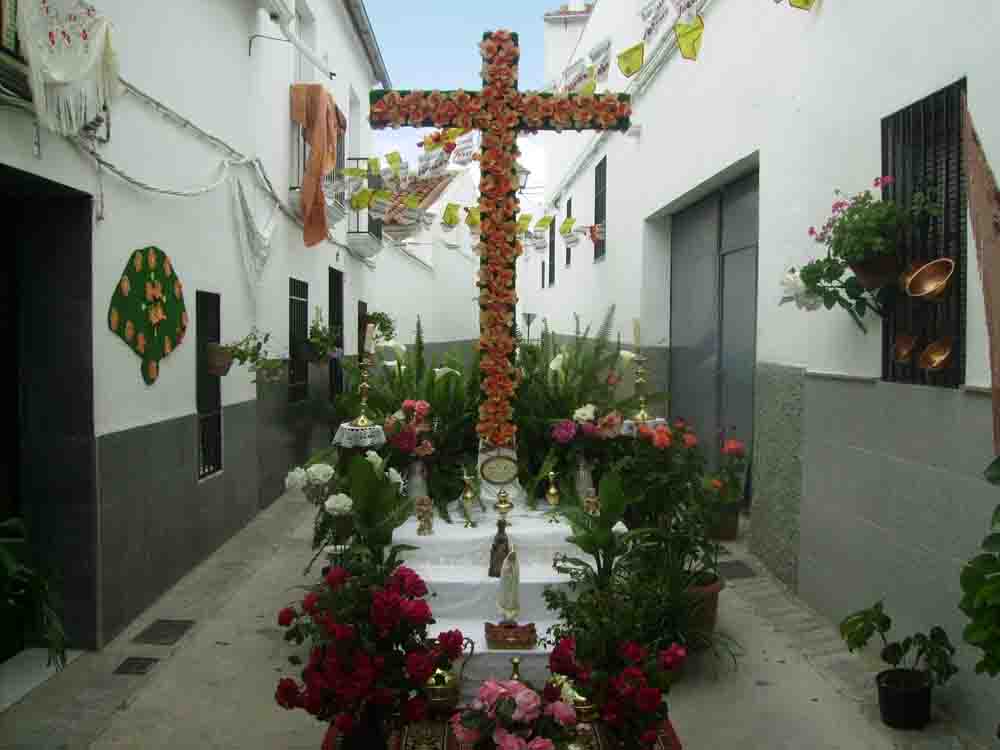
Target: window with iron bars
{"type": "Point", "coordinates": [359, 222]}
{"type": "Point", "coordinates": [298, 334]}
{"type": "Point", "coordinates": [600, 202]}
{"type": "Point", "coordinates": [209, 388]}
{"type": "Point", "coordinates": [300, 159]}
{"type": "Point", "coordinates": [922, 151]}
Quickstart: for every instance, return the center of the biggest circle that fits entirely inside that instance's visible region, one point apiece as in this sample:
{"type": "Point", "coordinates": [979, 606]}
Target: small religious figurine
{"type": "Point", "coordinates": [425, 515]}
{"type": "Point", "coordinates": [592, 504]}
{"type": "Point", "coordinates": [508, 598]}
{"type": "Point", "coordinates": [501, 544]}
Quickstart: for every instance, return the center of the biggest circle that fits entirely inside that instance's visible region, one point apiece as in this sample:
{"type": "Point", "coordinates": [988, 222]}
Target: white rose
{"type": "Point", "coordinates": [296, 479]}
{"type": "Point", "coordinates": [374, 458]}
{"type": "Point", "coordinates": [556, 364]}
{"type": "Point", "coordinates": [338, 505]}
{"type": "Point", "coordinates": [626, 356]}
{"type": "Point", "coordinates": [440, 372]}
{"type": "Point", "coordinates": [586, 413]}
{"type": "Point", "coordinates": [394, 476]}
{"type": "Point", "coordinates": [320, 473]}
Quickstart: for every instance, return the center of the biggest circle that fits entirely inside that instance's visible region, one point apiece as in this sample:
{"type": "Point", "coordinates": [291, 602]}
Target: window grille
{"type": "Point", "coordinates": [208, 387]}
{"type": "Point", "coordinates": [600, 202]}
{"type": "Point", "coordinates": [298, 333]}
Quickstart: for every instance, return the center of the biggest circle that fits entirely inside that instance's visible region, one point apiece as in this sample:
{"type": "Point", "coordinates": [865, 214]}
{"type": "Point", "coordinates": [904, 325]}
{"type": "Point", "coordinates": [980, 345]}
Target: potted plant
{"type": "Point", "coordinates": [725, 492]}
{"type": "Point", "coordinates": [385, 325]}
{"type": "Point", "coordinates": [917, 662]}
{"type": "Point", "coordinates": [324, 342]}
{"type": "Point", "coordinates": [248, 350]}
{"type": "Point", "coordinates": [27, 602]}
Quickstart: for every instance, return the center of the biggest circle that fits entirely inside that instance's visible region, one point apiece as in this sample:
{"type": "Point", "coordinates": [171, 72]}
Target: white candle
{"type": "Point", "coordinates": [635, 332]}
{"type": "Point", "coordinates": [370, 339]}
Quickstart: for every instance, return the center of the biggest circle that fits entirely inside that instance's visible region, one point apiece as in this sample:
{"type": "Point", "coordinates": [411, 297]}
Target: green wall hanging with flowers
{"type": "Point", "coordinates": [147, 309]}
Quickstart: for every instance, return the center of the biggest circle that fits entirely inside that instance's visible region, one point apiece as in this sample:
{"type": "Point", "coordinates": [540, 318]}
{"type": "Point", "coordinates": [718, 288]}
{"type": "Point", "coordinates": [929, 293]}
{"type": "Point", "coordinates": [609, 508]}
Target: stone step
{"type": "Point", "coordinates": [471, 595]}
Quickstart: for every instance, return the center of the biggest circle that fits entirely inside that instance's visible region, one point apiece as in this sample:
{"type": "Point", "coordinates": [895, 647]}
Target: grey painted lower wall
{"type": "Point", "coordinates": [157, 520]}
{"type": "Point", "coordinates": [893, 504]}
{"type": "Point", "coordinates": [777, 468]}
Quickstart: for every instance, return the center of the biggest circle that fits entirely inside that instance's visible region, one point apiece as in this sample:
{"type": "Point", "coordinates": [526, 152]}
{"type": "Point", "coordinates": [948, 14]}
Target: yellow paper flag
{"type": "Point", "coordinates": [361, 199]}
{"type": "Point", "coordinates": [450, 216]}
{"type": "Point", "coordinates": [544, 222]}
{"type": "Point", "coordinates": [374, 165]}
{"type": "Point", "coordinates": [689, 37]}
{"type": "Point", "coordinates": [523, 222]}
{"type": "Point", "coordinates": [590, 86]}
{"type": "Point", "coordinates": [412, 201]}
{"type": "Point", "coordinates": [394, 160]}
{"type": "Point", "coordinates": [385, 195]}
{"type": "Point", "coordinates": [353, 172]}
{"type": "Point", "coordinates": [473, 219]}
{"type": "Point", "coordinates": [802, 4]}
{"type": "Point", "coordinates": [630, 61]}
{"type": "Point", "coordinates": [567, 225]}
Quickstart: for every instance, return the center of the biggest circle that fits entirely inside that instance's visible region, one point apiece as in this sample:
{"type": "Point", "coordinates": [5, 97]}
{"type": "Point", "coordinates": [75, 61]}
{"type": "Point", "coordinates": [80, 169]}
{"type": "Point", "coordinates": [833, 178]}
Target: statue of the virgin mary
{"type": "Point", "coordinates": [508, 599]}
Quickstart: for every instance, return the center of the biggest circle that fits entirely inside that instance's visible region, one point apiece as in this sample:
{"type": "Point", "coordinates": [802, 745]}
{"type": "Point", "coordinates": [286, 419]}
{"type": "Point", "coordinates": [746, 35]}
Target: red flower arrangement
{"type": "Point", "coordinates": [631, 694]}
{"type": "Point", "coordinates": [405, 429]}
{"type": "Point", "coordinates": [371, 655]}
{"type": "Point", "coordinates": [500, 112]}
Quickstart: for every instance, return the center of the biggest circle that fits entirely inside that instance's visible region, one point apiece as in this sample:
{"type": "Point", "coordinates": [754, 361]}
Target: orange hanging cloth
{"type": "Point", "coordinates": [314, 109]}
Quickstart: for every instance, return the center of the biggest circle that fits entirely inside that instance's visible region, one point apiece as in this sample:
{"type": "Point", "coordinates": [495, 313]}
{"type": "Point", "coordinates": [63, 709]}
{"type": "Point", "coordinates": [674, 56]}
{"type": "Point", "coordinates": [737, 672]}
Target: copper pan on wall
{"type": "Point", "coordinates": [937, 355]}
{"type": "Point", "coordinates": [903, 348]}
{"type": "Point", "coordinates": [931, 281]}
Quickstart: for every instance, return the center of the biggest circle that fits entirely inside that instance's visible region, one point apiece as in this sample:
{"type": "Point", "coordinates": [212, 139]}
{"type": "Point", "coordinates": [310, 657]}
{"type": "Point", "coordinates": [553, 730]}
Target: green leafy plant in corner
{"type": "Point", "coordinates": [931, 653]}
{"type": "Point", "coordinates": [26, 596]}
{"type": "Point", "coordinates": [980, 581]}
{"type": "Point", "coordinates": [386, 325]}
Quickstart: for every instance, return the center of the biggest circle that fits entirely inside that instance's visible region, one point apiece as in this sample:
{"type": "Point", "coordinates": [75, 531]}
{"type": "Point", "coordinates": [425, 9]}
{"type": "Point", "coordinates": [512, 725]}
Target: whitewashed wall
{"type": "Point", "coordinates": [202, 70]}
{"type": "Point", "coordinates": [805, 93]}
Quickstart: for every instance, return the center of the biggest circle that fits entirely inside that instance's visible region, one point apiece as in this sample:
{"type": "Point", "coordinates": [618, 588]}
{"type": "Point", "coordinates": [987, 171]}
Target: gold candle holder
{"type": "Point", "coordinates": [640, 387]}
{"type": "Point", "coordinates": [468, 497]}
{"type": "Point", "coordinates": [552, 494]}
{"type": "Point", "coordinates": [364, 364]}
{"type": "Point", "coordinates": [503, 506]}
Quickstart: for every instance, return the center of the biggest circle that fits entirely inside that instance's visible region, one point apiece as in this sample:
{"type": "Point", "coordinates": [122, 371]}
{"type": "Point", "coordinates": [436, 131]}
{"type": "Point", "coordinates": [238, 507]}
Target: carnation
{"type": "Point", "coordinates": [320, 473]}
{"type": "Point", "coordinates": [297, 479]}
{"type": "Point", "coordinates": [338, 505]}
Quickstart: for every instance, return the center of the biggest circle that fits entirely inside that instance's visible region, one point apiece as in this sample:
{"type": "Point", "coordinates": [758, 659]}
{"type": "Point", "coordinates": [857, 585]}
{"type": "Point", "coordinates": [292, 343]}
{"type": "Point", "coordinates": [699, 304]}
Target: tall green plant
{"type": "Point", "coordinates": [980, 582]}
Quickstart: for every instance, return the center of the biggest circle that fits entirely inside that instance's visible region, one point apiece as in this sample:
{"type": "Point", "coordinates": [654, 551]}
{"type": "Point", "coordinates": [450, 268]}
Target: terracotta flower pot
{"type": "Point", "coordinates": [218, 360]}
{"type": "Point", "coordinates": [877, 271]}
{"type": "Point", "coordinates": [707, 598]}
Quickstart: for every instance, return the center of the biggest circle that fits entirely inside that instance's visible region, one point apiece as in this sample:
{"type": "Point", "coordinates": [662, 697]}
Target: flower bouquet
{"type": "Point", "coordinates": [628, 693]}
{"type": "Point", "coordinates": [371, 657]}
{"type": "Point", "coordinates": [509, 715]}
{"type": "Point", "coordinates": [315, 481]}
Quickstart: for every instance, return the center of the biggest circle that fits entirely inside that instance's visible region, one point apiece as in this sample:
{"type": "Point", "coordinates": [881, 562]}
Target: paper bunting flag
{"type": "Point", "coordinates": [374, 165]}
{"type": "Point", "coordinates": [544, 222]}
{"type": "Point", "coordinates": [523, 222]}
{"type": "Point", "coordinates": [630, 61]}
{"type": "Point", "coordinates": [412, 201]}
{"type": "Point", "coordinates": [689, 37]}
{"type": "Point", "coordinates": [395, 161]}
{"type": "Point", "coordinates": [600, 58]}
{"type": "Point", "coordinates": [567, 226]}
{"type": "Point", "coordinates": [802, 4]}
{"type": "Point", "coordinates": [539, 241]}
{"type": "Point", "coordinates": [473, 218]}
{"type": "Point", "coordinates": [572, 239]}
{"type": "Point", "coordinates": [686, 10]}
{"type": "Point", "coordinates": [361, 199]}
{"type": "Point", "coordinates": [590, 87]}
{"type": "Point", "coordinates": [450, 216]}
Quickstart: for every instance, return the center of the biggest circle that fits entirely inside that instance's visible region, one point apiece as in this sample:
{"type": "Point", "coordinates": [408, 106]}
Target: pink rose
{"type": "Point", "coordinates": [562, 712]}
{"type": "Point", "coordinates": [564, 431]}
{"type": "Point", "coordinates": [528, 706]}
{"type": "Point", "coordinates": [463, 734]}
{"type": "Point", "coordinates": [540, 743]}
{"type": "Point", "coordinates": [504, 740]}
{"type": "Point", "coordinates": [422, 408]}
{"type": "Point", "coordinates": [489, 692]}
{"type": "Point", "coordinates": [409, 404]}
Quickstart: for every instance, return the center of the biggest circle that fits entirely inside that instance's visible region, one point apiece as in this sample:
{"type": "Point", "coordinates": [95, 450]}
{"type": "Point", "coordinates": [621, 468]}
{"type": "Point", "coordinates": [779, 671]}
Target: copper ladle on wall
{"type": "Point", "coordinates": [930, 281]}
{"type": "Point", "coordinates": [937, 356]}
{"type": "Point", "coordinates": [903, 348]}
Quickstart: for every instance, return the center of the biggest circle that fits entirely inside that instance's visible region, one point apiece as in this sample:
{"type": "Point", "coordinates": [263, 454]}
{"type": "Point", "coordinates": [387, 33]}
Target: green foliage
{"type": "Point", "coordinates": [385, 325]}
{"type": "Point", "coordinates": [324, 339]}
{"type": "Point", "coordinates": [932, 653]}
{"type": "Point", "coordinates": [824, 280]}
{"type": "Point", "coordinates": [26, 595]}
{"type": "Point", "coordinates": [980, 581]}
{"type": "Point", "coordinates": [379, 506]}
{"type": "Point", "coordinates": [866, 228]}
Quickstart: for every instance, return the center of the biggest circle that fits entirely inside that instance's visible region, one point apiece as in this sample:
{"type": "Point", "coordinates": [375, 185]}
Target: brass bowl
{"type": "Point", "coordinates": [905, 276]}
{"type": "Point", "coordinates": [931, 280]}
{"type": "Point", "coordinates": [937, 356]}
{"type": "Point", "coordinates": [903, 348]}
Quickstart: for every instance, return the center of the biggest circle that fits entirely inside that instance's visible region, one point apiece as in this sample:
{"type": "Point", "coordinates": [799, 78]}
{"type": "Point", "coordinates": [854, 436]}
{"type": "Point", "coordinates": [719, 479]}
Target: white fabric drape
{"type": "Point", "coordinates": [73, 65]}
{"type": "Point", "coordinates": [255, 243]}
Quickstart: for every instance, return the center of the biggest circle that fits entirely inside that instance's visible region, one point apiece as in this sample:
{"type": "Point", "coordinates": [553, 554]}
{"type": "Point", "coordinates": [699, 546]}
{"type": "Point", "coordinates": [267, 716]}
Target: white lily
{"type": "Point", "coordinates": [440, 372]}
{"type": "Point", "coordinates": [556, 365]}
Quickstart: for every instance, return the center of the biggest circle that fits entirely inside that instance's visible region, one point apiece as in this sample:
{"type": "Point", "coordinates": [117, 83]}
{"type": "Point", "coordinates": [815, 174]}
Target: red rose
{"type": "Point", "coordinates": [416, 611]}
{"type": "Point", "coordinates": [286, 617]}
{"type": "Point", "coordinates": [562, 660]}
{"type": "Point", "coordinates": [345, 723]}
{"type": "Point", "coordinates": [336, 577]}
{"type": "Point", "coordinates": [414, 710]}
{"type": "Point", "coordinates": [451, 642]}
{"type": "Point", "coordinates": [551, 693]}
{"type": "Point", "coordinates": [406, 581]}
{"type": "Point", "coordinates": [287, 694]}
{"type": "Point", "coordinates": [613, 713]}
{"type": "Point", "coordinates": [649, 737]}
{"type": "Point", "coordinates": [647, 699]}
{"type": "Point", "coordinates": [735, 448]}
{"type": "Point", "coordinates": [341, 632]}
{"type": "Point", "coordinates": [330, 738]}
{"type": "Point", "coordinates": [385, 610]}
{"type": "Point", "coordinates": [383, 696]}
{"type": "Point", "coordinates": [633, 652]}
{"type": "Point", "coordinates": [405, 440]}
{"type": "Point", "coordinates": [312, 702]}
{"type": "Point", "coordinates": [309, 602]}
{"type": "Point", "coordinates": [419, 666]}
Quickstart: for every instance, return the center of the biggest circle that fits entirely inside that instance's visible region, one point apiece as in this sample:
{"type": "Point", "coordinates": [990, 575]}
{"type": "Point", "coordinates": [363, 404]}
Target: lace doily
{"type": "Point", "coordinates": [349, 436]}
{"type": "Point", "coordinates": [631, 427]}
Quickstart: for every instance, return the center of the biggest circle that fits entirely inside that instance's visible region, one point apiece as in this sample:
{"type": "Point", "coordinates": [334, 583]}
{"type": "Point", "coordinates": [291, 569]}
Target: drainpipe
{"type": "Point", "coordinates": [282, 15]}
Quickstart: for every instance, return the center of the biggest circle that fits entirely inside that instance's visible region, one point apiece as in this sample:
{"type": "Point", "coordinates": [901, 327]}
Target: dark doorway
{"type": "Point", "coordinates": [713, 314]}
{"type": "Point", "coordinates": [49, 478]}
{"type": "Point", "coordinates": [336, 324]}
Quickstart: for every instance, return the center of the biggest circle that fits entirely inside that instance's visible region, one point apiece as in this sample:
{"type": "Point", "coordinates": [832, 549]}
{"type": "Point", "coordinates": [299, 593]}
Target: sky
{"type": "Point", "coordinates": [434, 44]}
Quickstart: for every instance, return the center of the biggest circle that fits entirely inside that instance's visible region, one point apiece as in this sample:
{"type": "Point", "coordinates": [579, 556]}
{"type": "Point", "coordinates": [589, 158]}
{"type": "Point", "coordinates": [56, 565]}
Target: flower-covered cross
{"type": "Point", "coordinates": [500, 111]}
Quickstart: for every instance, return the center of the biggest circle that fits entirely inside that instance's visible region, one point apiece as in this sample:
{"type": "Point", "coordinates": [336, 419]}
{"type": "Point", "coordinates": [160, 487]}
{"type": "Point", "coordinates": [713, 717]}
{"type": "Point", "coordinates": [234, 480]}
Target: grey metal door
{"type": "Point", "coordinates": [713, 314]}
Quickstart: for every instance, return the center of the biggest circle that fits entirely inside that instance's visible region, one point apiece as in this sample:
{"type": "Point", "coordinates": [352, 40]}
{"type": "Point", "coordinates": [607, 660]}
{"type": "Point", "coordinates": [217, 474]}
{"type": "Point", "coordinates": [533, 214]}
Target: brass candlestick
{"type": "Point", "coordinates": [468, 497]}
{"type": "Point", "coordinates": [503, 506]}
{"type": "Point", "coordinates": [552, 494]}
{"type": "Point", "coordinates": [364, 363]}
{"type": "Point", "coordinates": [640, 387]}
{"type": "Point", "coordinates": [515, 668]}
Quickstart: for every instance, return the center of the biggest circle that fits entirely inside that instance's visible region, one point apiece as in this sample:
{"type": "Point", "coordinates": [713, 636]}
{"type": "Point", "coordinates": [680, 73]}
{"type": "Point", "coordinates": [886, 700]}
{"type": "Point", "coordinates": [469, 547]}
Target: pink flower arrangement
{"type": "Point", "coordinates": [564, 431]}
{"type": "Point", "coordinates": [514, 717]}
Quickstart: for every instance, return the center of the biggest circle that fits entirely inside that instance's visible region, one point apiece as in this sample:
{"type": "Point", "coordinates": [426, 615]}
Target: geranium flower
{"type": "Point", "coordinates": [734, 448]}
{"type": "Point", "coordinates": [661, 437]}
